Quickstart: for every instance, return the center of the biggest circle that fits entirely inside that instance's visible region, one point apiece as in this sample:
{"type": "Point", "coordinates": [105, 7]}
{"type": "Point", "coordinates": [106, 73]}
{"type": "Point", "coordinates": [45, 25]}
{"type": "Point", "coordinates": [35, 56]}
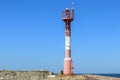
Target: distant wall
{"type": "Point", "coordinates": [23, 75]}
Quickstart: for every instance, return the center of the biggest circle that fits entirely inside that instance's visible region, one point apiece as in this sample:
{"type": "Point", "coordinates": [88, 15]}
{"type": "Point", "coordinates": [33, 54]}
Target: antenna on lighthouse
{"type": "Point", "coordinates": [72, 5]}
{"type": "Point", "coordinates": [73, 10]}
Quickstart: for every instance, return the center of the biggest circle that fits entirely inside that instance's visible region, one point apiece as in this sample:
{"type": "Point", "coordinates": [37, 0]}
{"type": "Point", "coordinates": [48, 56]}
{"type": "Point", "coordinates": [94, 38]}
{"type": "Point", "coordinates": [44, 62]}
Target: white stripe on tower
{"type": "Point", "coordinates": [67, 47]}
{"type": "Point", "coordinates": [67, 42]}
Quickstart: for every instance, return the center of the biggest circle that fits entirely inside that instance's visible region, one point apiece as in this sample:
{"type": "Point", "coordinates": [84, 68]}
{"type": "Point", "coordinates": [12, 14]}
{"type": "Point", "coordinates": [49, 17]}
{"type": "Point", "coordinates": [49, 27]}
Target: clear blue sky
{"type": "Point", "coordinates": [32, 35]}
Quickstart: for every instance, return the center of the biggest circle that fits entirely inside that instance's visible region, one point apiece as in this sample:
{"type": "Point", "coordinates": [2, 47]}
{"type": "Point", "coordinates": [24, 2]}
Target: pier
{"type": "Point", "coordinates": [98, 77]}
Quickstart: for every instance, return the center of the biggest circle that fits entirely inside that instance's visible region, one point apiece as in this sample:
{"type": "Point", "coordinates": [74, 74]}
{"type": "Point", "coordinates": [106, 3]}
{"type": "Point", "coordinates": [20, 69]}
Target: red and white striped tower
{"type": "Point", "coordinates": [67, 17]}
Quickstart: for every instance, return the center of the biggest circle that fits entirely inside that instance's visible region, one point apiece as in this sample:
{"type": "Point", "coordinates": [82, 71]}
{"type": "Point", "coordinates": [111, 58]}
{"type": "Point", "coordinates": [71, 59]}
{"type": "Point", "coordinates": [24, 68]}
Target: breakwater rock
{"type": "Point", "coordinates": [98, 77]}
{"type": "Point", "coordinates": [83, 77]}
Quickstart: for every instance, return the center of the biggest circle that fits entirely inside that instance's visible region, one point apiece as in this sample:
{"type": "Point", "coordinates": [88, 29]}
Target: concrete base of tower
{"type": "Point", "coordinates": [68, 67]}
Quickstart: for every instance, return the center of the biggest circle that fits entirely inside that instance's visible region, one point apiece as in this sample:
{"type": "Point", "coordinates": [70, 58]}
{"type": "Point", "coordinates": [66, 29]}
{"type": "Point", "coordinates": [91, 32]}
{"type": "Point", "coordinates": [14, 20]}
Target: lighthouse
{"type": "Point", "coordinates": [68, 17]}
